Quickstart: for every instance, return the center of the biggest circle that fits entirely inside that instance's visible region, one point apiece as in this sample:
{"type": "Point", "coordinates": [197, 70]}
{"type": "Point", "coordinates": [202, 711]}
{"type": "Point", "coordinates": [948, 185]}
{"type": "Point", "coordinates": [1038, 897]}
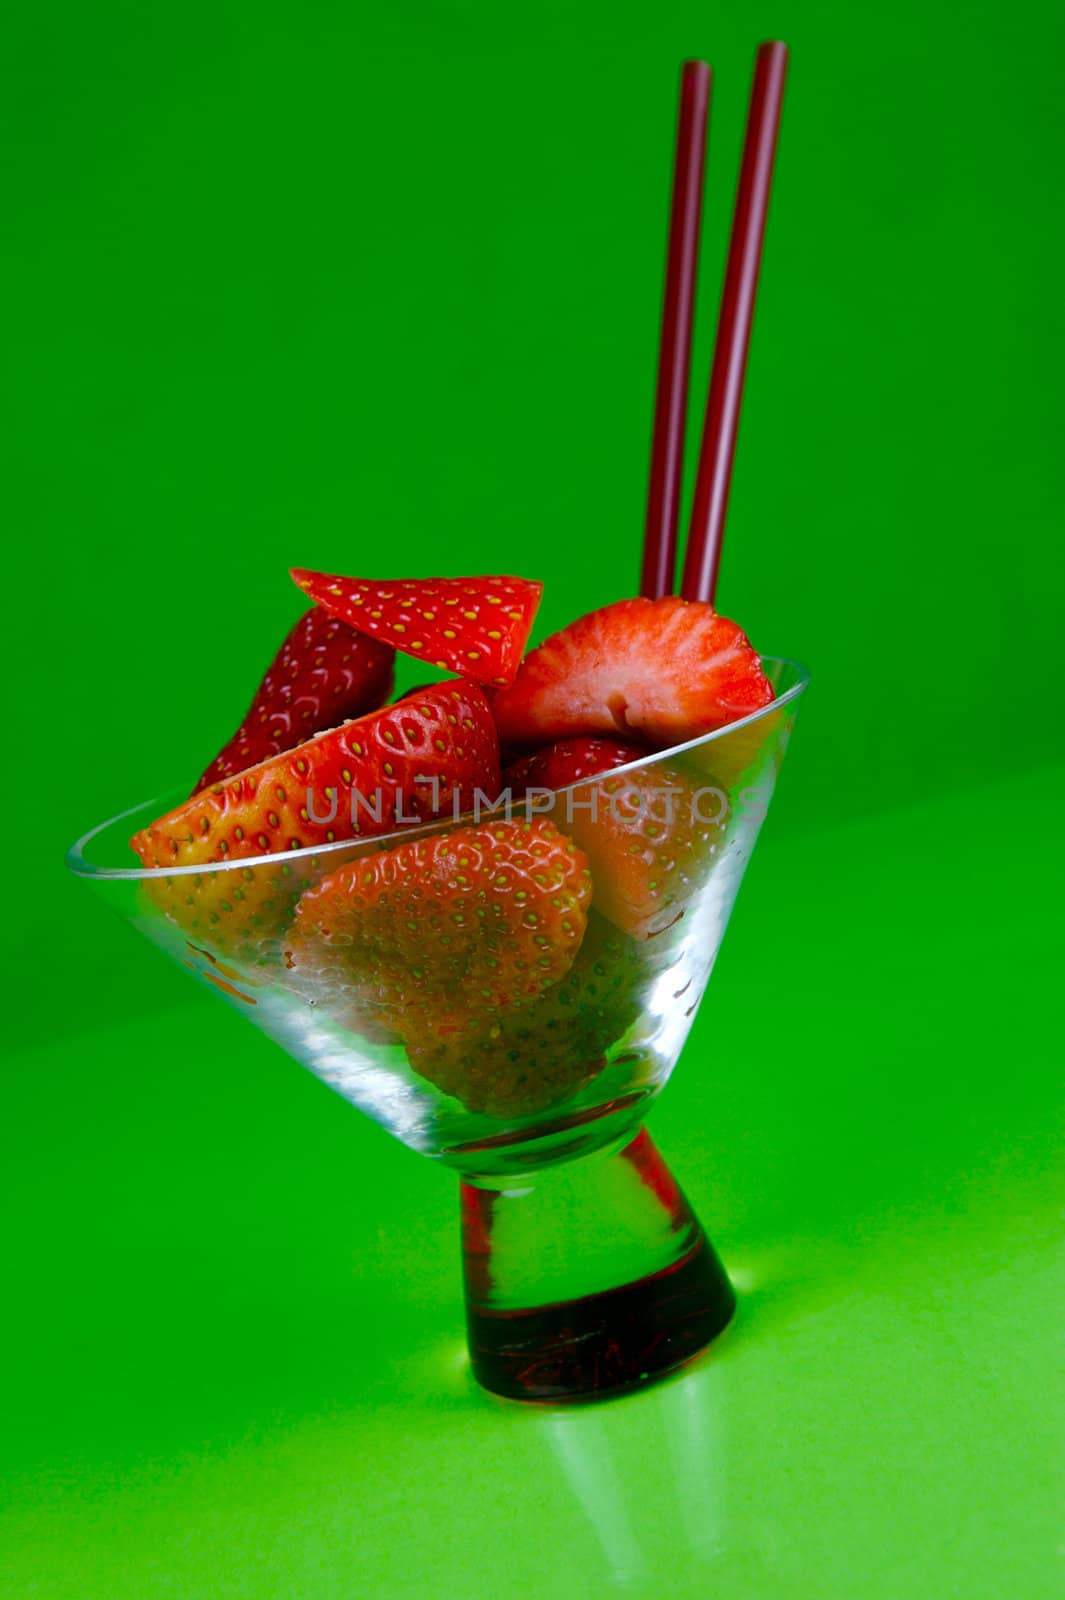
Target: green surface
{"type": "Point", "coordinates": [377, 289]}
{"type": "Point", "coordinates": [237, 1314]}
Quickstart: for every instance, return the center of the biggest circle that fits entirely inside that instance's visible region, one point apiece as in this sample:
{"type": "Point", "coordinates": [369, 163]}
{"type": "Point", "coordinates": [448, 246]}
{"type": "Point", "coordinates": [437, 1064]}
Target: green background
{"type": "Point", "coordinates": [377, 290]}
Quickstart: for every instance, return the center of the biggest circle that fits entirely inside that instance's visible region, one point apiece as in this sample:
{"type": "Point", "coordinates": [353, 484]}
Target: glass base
{"type": "Point", "coordinates": [591, 1278]}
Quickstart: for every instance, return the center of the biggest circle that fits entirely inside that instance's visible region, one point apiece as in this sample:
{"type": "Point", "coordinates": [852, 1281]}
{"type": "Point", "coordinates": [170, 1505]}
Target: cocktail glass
{"type": "Point", "coordinates": [586, 1271]}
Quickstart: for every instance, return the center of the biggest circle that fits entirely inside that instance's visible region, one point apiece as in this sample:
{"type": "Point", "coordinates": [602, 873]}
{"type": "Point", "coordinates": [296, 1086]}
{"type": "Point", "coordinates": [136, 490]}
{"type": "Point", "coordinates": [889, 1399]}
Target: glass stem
{"type": "Point", "coordinates": [587, 1278]}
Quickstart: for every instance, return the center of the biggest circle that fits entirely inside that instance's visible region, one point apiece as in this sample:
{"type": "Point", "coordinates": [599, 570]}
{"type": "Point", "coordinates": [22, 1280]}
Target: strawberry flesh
{"type": "Point", "coordinates": [658, 671]}
{"type": "Point", "coordinates": [476, 627]}
{"type": "Point", "coordinates": [324, 673]}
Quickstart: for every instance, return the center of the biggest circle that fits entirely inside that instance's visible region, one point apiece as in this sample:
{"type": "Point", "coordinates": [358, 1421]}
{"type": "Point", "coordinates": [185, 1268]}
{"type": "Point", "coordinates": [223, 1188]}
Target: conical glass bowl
{"type": "Point", "coordinates": [585, 1270]}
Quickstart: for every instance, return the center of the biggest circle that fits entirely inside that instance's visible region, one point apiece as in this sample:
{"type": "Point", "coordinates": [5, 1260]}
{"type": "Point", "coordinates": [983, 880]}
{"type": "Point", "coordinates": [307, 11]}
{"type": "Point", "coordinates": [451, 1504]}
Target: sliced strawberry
{"type": "Point", "coordinates": [323, 674]}
{"type": "Point", "coordinates": [661, 671]}
{"type": "Point", "coordinates": [477, 627]}
{"type": "Point", "coordinates": [742, 756]}
{"type": "Point", "coordinates": [519, 1061]}
{"type": "Point", "coordinates": [650, 834]}
{"type": "Point", "coordinates": [406, 763]}
{"type": "Point", "coordinates": [482, 917]}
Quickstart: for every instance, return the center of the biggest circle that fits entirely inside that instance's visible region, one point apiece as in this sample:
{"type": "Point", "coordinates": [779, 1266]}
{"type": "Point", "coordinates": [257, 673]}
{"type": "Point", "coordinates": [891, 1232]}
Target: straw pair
{"type": "Point", "coordinates": [710, 501]}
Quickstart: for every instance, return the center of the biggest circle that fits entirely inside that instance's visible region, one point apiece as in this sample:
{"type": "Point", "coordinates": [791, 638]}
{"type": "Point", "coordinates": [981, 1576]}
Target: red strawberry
{"type": "Point", "coordinates": [323, 674]}
{"type": "Point", "coordinates": [414, 761]}
{"type": "Point", "coordinates": [483, 916]}
{"type": "Point", "coordinates": [661, 670]}
{"type": "Point", "coordinates": [650, 834]}
{"type": "Point", "coordinates": [477, 627]}
{"type": "Point", "coordinates": [519, 1061]}
{"type": "Point", "coordinates": [570, 761]}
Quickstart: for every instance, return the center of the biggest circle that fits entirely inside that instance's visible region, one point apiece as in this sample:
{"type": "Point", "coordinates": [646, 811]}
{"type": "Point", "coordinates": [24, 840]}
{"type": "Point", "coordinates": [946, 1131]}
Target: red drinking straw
{"type": "Point", "coordinates": [674, 353]}
{"type": "Point", "coordinates": [734, 326]}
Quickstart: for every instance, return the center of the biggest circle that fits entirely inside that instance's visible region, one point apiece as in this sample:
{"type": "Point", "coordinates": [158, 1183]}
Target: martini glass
{"type": "Point", "coordinates": [586, 1271]}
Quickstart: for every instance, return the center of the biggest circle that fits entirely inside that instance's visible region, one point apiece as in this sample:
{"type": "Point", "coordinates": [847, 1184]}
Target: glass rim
{"type": "Point", "coordinates": [81, 868]}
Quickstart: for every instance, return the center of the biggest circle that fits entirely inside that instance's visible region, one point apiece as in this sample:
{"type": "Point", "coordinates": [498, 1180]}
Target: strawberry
{"type": "Point", "coordinates": [742, 756]}
{"type": "Point", "coordinates": [493, 914]}
{"type": "Point", "coordinates": [661, 671]}
{"type": "Point", "coordinates": [570, 761]}
{"type": "Point", "coordinates": [650, 834]}
{"type": "Point", "coordinates": [520, 1061]}
{"type": "Point", "coordinates": [477, 627]}
{"type": "Point", "coordinates": [413, 761]}
{"type": "Point", "coordinates": [323, 674]}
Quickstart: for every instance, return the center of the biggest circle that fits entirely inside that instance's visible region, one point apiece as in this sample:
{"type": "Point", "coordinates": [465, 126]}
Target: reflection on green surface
{"type": "Point", "coordinates": [685, 1463]}
{"type": "Point", "coordinates": [601, 1489]}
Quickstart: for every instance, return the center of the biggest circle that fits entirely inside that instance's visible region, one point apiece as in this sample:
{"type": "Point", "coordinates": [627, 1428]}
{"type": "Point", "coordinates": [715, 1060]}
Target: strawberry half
{"type": "Point", "coordinates": [324, 673]}
{"type": "Point", "coordinates": [485, 916]}
{"type": "Point", "coordinates": [661, 671]}
{"type": "Point", "coordinates": [477, 627]}
{"type": "Point", "coordinates": [406, 763]}
{"type": "Point", "coordinates": [650, 834]}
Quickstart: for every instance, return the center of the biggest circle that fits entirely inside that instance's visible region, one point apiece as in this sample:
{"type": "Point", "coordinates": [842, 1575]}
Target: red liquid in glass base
{"type": "Point", "coordinates": [604, 1343]}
